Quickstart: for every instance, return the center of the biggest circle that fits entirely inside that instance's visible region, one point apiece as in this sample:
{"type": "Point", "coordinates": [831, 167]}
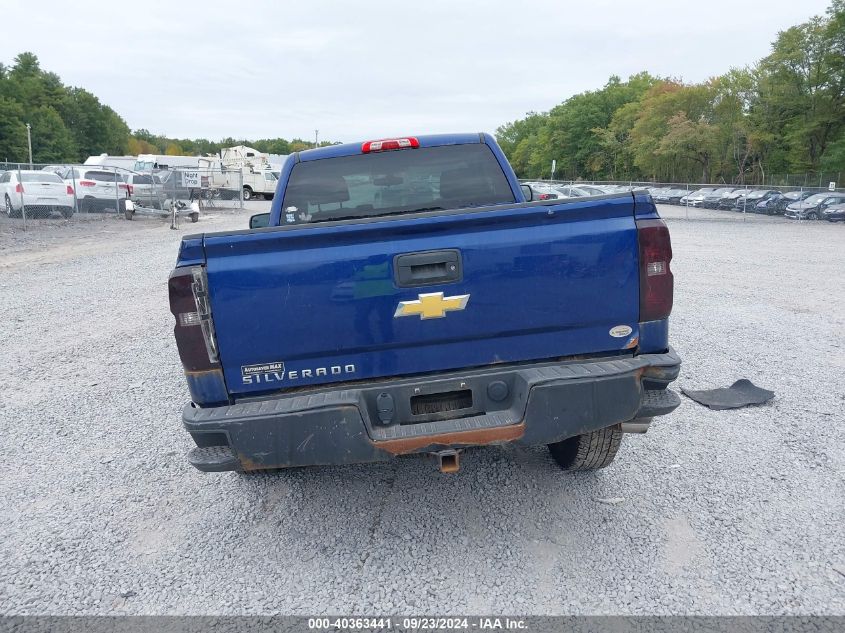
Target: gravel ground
{"type": "Point", "coordinates": [733, 512]}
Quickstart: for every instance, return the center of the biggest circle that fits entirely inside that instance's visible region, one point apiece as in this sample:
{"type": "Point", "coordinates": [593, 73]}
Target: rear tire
{"type": "Point", "coordinates": [10, 210]}
{"type": "Point", "coordinates": [67, 213]}
{"type": "Point", "coordinates": [247, 194]}
{"type": "Point", "coordinates": [589, 451]}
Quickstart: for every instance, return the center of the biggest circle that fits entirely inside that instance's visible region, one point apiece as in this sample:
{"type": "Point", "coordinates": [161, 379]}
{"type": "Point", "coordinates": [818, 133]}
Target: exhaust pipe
{"type": "Point", "coordinates": [449, 461]}
{"type": "Point", "coordinates": [637, 425]}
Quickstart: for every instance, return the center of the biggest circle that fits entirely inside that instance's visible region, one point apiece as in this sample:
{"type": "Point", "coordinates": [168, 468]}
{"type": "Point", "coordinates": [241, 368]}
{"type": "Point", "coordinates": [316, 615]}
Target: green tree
{"type": "Point", "coordinates": [520, 141]}
{"type": "Point", "coordinates": [801, 89]}
{"type": "Point", "coordinates": [689, 141]}
{"type": "Point", "coordinates": [51, 140]}
{"type": "Point", "coordinates": [174, 149]}
{"type": "Point", "coordinates": [661, 104]}
{"type": "Point", "coordinates": [31, 86]}
{"type": "Point", "coordinates": [95, 128]}
{"type": "Point", "coordinates": [13, 147]}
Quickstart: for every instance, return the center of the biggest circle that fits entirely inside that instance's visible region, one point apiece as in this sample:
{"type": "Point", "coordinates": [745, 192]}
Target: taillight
{"type": "Point", "coordinates": [194, 328]}
{"type": "Point", "coordinates": [69, 190]}
{"type": "Point", "coordinates": [386, 144]}
{"type": "Point", "coordinates": [87, 183]}
{"type": "Point", "coordinates": [656, 281]}
{"type": "Point", "coordinates": [19, 188]}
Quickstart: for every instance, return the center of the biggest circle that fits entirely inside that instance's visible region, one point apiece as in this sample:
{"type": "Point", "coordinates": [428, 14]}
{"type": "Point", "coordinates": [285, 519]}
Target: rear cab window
{"type": "Point", "coordinates": [394, 182]}
{"type": "Point", "coordinates": [103, 176]}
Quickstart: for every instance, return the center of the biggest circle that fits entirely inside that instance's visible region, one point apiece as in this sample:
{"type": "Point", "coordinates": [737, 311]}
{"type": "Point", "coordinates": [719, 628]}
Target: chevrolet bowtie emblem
{"type": "Point", "coordinates": [431, 305]}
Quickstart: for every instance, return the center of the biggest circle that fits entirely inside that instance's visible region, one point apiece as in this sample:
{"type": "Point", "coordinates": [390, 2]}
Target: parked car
{"type": "Point", "coordinates": [656, 191]}
{"type": "Point", "coordinates": [596, 190]}
{"type": "Point", "coordinates": [728, 200]}
{"type": "Point", "coordinates": [61, 170]}
{"type": "Point", "coordinates": [675, 198]}
{"type": "Point", "coordinates": [146, 190]}
{"type": "Point", "coordinates": [662, 196]}
{"type": "Point", "coordinates": [578, 191]}
{"type": "Point", "coordinates": [543, 191]}
{"type": "Point", "coordinates": [793, 196]}
{"type": "Point", "coordinates": [711, 200]}
{"type": "Point", "coordinates": [96, 189]}
{"type": "Point", "coordinates": [835, 213]}
{"type": "Point", "coordinates": [696, 196]}
{"type": "Point", "coordinates": [770, 205]}
{"type": "Point", "coordinates": [748, 202]}
{"type": "Point", "coordinates": [813, 207]}
{"type": "Point", "coordinates": [672, 196]}
{"type": "Point", "coordinates": [41, 192]}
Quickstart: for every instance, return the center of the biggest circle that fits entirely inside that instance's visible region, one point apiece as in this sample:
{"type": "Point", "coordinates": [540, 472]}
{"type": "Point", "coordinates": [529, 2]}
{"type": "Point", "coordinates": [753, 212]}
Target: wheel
{"type": "Point", "coordinates": [129, 213]}
{"type": "Point", "coordinates": [812, 215]}
{"type": "Point", "coordinates": [589, 451]}
{"type": "Point", "coordinates": [247, 193]}
{"type": "Point", "coordinates": [195, 217]}
{"type": "Point", "coordinates": [67, 212]}
{"type": "Point", "coordinates": [10, 210]}
{"type": "Point", "coordinates": [268, 196]}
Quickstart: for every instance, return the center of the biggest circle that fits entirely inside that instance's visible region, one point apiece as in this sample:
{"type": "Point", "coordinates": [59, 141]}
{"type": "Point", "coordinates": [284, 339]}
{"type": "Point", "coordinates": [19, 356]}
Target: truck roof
{"type": "Point", "coordinates": [427, 140]}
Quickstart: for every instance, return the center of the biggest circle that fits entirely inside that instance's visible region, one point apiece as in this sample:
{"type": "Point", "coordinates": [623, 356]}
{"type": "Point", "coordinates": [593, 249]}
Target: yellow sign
{"type": "Point", "coordinates": [431, 305]}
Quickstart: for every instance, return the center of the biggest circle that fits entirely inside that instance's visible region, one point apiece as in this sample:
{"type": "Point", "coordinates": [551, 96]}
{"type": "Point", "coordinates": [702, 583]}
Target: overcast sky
{"type": "Point", "coordinates": [358, 69]}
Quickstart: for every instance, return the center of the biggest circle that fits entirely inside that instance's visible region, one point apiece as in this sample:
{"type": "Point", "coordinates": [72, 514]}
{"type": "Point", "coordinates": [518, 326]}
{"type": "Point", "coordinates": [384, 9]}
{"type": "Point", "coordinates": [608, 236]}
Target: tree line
{"type": "Point", "coordinates": [70, 124]}
{"type": "Point", "coordinates": [144, 142]}
{"type": "Point", "coordinates": [785, 114]}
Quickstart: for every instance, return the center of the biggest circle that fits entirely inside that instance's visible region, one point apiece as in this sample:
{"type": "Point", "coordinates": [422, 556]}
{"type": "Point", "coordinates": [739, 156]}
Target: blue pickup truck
{"type": "Point", "coordinates": [407, 296]}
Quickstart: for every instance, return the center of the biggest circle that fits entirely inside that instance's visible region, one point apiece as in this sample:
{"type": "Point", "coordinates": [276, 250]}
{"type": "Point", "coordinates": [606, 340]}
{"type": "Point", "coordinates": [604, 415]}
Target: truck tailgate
{"type": "Point", "coordinates": [305, 305]}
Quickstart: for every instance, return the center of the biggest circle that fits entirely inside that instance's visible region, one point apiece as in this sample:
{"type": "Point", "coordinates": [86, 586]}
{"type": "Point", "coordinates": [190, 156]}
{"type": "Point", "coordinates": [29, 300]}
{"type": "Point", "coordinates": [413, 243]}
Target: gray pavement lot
{"type": "Point", "coordinates": [732, 512]}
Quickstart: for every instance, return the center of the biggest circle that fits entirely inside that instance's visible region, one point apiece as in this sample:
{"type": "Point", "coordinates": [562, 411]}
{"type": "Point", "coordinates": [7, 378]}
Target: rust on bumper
{"type": "Point", "coordinates": [475, 437]}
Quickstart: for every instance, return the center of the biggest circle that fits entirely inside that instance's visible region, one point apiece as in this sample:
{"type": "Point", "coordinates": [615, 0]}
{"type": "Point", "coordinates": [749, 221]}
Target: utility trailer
{"type": "Point", "coordinates": [172, 210]}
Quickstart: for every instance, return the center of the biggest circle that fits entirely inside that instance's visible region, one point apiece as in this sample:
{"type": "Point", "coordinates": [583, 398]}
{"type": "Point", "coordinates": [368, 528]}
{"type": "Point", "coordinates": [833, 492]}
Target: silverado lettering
{"type": "Point", "coordinates": [564, 343]}
{"type": "Point", "coordinates": [334, 370]}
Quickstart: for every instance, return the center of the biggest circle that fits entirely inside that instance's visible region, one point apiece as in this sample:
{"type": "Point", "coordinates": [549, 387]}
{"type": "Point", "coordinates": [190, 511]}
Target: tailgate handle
{"type": "Point", "coordinates": [428, 268]}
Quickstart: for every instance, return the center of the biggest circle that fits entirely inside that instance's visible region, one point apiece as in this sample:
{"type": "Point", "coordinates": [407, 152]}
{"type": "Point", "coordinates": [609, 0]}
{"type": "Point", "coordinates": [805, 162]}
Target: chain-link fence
{"type": "Point", "coordinates": [810, 180]}
{"type": "Point", "coordinates": [793, 202]}
{"type": "Point", "coordinates": [34, 191]}
{"type": "Point", "coordinates": [784, 187]}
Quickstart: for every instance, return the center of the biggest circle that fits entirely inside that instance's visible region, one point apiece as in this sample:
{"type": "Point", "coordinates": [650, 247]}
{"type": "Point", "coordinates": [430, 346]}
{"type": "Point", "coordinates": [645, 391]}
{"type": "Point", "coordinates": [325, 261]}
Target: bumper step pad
{"type": "Point", "coordinates": [213, 459]}
{"type": "Point", "coordinates": [658, 402]}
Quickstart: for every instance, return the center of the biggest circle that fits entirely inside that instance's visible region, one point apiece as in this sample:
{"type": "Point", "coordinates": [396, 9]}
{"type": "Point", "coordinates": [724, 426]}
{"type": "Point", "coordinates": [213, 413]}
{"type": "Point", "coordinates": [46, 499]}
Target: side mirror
{"type": "Point", "coordinates": [527, 192]}
{"type": "Point", "coordinates": [259, 221]}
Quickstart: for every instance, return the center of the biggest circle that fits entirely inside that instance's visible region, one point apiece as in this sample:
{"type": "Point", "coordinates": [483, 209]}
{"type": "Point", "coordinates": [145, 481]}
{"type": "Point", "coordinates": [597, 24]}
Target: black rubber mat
{"type": "Point", "coordinates": [740, 394]}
